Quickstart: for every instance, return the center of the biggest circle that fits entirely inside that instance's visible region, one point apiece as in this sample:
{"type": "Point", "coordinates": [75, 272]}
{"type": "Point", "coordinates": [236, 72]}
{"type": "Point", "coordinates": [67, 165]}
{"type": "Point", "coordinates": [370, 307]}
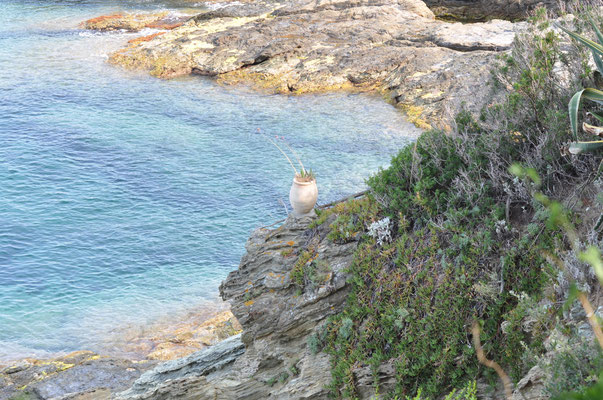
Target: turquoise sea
{"type": "Point", "coordinates": [125, 199]}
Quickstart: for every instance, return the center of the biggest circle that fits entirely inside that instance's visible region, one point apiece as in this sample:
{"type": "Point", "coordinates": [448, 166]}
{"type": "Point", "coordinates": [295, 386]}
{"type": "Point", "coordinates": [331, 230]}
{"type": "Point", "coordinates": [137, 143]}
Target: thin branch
{"type": "Point", "coordinates": [481, 356]}
{"type": "Point", "coordinates": [295, 154]}
{"type": "Point", "coordinates": [592, 319]}
{"type": "Point", "coordinates": [281, 150]}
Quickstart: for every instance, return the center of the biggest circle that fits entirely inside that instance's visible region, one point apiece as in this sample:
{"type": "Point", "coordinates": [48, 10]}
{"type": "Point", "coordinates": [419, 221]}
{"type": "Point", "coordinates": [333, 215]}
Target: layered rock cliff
{"type": "Point", "coordinates": [278, 312]}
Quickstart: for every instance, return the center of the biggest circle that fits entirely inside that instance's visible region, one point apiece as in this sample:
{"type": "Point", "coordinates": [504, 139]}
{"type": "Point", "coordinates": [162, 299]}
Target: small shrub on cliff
{"type": "Point", "coordinates": [467, 392]}
{"type": "Point", "coordinates": [574, 368]}
{"type": "Point", "coordinates": [300, 269]}
{"type": "Point", "coordinates": [317, 341]}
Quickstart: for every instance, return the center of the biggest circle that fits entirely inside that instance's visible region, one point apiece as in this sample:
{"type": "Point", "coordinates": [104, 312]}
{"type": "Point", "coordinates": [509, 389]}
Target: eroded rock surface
{"type": "Point", "coordinates": [135, 22]}
{"type": "Point", "coordinates": [487, 9]}
{"type": "Point", "coordinates": [173, 338]}
{"type": "Point", "coordinates": [427, 66]}
{"type": "Point", "coordinates": [271, 359]}
{"type": "Point", "coordinates": [80, 375]}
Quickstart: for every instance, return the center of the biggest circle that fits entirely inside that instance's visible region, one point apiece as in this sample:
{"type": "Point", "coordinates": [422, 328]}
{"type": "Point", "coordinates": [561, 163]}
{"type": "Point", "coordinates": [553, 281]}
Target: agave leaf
{"type": "Point", "coordinates": [597, 114]}
{"type": "Point", "coordinates": [596, 57]}
{"type": "Point", "coordinates": [574, 105]}
{"type": "Point", "coordinates": [594, 46]}
{"type": "Point", "coordinates": [581, 147]}
{"type": "Point", "coordinates": [593, 130]}
{"type": "Point", "coordinates": [596, 29]}
{"type": "Point", "coordinates": [599, 222]}
{"type": "Point", "coordinates": [593, 94]}
{"type": "Point", "coordinates": [598, 62]}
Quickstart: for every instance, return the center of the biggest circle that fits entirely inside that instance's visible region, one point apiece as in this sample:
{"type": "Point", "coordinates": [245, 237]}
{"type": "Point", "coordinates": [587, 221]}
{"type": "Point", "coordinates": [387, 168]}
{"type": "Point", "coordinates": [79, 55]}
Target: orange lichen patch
{"type": "Point", "coordinates": [291, 243]}
{"type": "Point", "coordinates": [129, 22]}
{"type": "Point", "coordinates": [103, 18]}
{"type": "Point", "coordinates": [249, 303]}
{"type": "Point", "coordinates": [163, 25]}
{"type": "Point", "coordinates": [145, 38]}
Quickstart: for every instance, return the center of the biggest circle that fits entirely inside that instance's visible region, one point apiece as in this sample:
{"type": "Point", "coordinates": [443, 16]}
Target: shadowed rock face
{"type": "Point", "coordinates": [270, 359]}
{"type": "Point", "coordinates": [477, 10]}
{"type": "Point", "coordinates": [428, 67]}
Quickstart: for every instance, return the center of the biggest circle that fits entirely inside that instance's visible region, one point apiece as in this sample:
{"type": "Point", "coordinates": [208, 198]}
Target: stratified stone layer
{"type": "Point", "coordinates": [271, 358]}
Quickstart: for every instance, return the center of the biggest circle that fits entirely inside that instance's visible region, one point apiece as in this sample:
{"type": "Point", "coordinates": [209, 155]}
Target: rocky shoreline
{"type": "Point", "coordinates": [86, 373]}
{"type": "Point", "coordinates": [428, 67]}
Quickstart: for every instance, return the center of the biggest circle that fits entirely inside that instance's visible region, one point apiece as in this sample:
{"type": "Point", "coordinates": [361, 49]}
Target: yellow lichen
{"type": "Point", "coordinates": [432, 95]}
{"type": "Point", "coordinates": [414, 114]}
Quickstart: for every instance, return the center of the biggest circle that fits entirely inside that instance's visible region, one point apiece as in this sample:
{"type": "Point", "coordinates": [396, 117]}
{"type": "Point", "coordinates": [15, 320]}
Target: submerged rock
{"type": "Point", "coordinates": [172, 338]}
{"type": "Point", "coordinates": [427, 66]}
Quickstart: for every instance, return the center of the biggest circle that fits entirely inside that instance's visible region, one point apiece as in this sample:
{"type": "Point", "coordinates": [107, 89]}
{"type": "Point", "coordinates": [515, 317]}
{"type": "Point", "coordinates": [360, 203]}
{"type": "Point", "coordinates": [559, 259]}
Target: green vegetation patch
{"type": "Point", "coordinates": [414, 299]}
{"type": "Point", "coordinates": [465, 240]}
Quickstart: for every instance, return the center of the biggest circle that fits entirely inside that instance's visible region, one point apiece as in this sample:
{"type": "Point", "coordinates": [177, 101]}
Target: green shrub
{"type": "Point", "coordinates": [574, 368]}
{"type": "Point", "coordinates": [468, 241]}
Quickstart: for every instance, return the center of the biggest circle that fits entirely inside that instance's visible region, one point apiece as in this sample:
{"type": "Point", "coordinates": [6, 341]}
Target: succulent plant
{"type": "Point", "coordinates": [592, 94]}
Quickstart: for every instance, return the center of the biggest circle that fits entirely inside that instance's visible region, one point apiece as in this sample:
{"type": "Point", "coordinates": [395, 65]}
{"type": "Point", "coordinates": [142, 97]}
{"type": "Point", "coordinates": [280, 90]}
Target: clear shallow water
{"type": "Point", "coordinates": [124, 198]}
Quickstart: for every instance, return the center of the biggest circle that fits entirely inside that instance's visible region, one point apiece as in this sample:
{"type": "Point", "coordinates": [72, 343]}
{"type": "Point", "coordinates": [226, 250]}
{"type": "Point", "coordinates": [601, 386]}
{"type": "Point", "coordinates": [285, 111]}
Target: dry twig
{"type": "Point", "coordinates": [481, 356]}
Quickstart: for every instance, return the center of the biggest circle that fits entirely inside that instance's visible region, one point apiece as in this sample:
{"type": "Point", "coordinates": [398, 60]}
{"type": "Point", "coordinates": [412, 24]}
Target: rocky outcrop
{"type": "Point", "coordinates": [135, 22]}
{"type": "Point", "coordinates": [179, 378]}
{"type": "Point", "coordinates": [271, 359]}
{"type": "Point", "coordinates": [81, 375]}
{"type": "Point", "coordinates": [397, 47]}
{"type": "Point", "coordinates": [171, 339]}
{"type": "Point", "coordinates": [85, 375]}
{"type": "Point", "coordinates": [479, 10]}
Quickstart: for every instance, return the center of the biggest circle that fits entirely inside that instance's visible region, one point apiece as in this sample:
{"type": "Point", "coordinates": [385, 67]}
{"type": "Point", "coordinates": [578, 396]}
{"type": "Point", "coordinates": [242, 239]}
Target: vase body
{"type": "Point", "coordinates": [303, 196]}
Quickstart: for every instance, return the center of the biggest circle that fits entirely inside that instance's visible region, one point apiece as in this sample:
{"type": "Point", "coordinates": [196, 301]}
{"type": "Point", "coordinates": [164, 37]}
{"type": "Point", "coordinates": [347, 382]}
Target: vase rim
{"type": "Point", "coordinates": [303, 183]}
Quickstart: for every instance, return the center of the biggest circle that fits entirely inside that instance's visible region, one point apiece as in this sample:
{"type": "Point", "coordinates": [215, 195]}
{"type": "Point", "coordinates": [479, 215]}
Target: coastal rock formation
{"type": "Point", "coordinates": [80, 375]}
{"type": "Point", "coordinates": [85, 375]}
{"type": "Point", "coordinates": [176, 337]}
{"type": "Point", "coordinates": [477, 10]}
{"type": "Point", "coordinates": [181, 378]}
{"type": "Point", "coordinates": [271, 359]}
{"type": "Point", "coordinates": [397, 47]}
{"type": "Point", "coordinates": [135, 22]}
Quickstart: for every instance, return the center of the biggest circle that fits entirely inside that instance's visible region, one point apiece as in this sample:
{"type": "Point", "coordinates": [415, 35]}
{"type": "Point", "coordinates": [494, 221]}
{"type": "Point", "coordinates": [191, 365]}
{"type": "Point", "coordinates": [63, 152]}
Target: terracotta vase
{"type": "Point", "coordinates": [303, 196]}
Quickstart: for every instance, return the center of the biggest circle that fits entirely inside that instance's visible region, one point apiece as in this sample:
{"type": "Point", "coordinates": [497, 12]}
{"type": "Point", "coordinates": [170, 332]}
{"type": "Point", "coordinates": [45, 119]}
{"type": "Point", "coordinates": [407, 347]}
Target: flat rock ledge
{"type": "Point", "coordinates": [178, 378]}
{"type": "Point", "coordinates": [82, 375]}
{"type": "Point", "coordinates": [476, 10]}
{"type": "Point", "coordinates": [398, 48]}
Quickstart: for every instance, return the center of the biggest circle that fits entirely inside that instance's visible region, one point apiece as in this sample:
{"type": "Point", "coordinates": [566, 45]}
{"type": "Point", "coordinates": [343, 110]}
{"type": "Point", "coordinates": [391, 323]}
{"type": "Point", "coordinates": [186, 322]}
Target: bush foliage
{"type": "Point", "coordinates": [467, 238]}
